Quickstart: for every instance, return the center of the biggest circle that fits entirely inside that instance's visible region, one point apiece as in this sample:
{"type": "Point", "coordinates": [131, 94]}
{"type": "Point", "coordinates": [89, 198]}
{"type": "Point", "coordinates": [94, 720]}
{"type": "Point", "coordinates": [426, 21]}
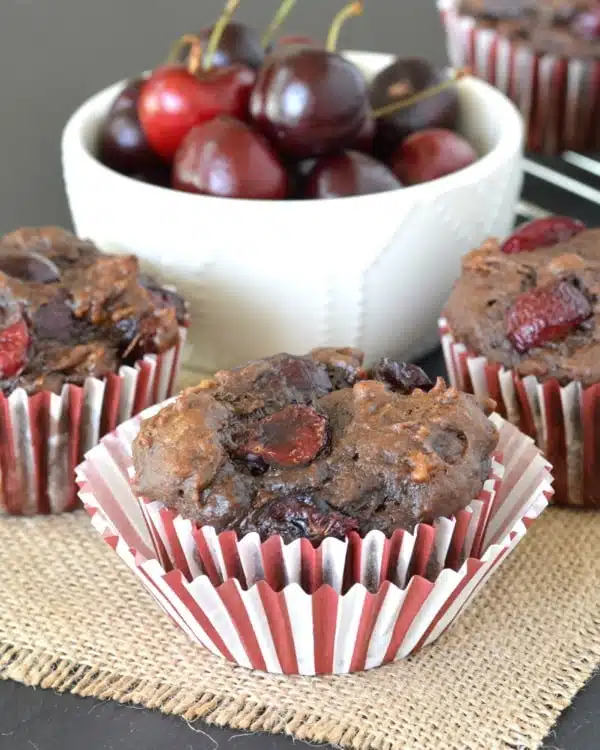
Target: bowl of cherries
{"type": "Point", "coordinates": [296, 195]}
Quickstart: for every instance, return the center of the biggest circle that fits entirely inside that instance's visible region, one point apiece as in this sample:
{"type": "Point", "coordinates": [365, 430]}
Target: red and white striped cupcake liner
{"type": "Point", "coordinates": [558, 97]}
{"type": "Point", "coordinates": [44, 436]}
{"type": "Point", "coordinates": [344, 606]}
{"type": "Point", "coordinates": [563, 420]}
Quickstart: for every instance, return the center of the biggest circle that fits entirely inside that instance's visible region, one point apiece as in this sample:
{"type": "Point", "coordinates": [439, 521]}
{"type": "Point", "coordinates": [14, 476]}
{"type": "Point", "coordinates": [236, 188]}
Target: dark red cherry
{"type": "Point", "coordinates": [173, 101]}
{"type": "Point", "coordinates": [365, 139]}
{"type": "Point", "coordinates": [123, 145]}
{"type": "Point", "coordinates": [238, 44]}
{"type": "Point", "coordinates": [430, 154]}
{"type": "Point", "coordinates": [226, 158]}
{"type": "Point", "coordinates": [587, 24]}
{"type": "Point", "coordinates": [128, 97]}
{"type": "Point", "coordinates": [27, 265]}
{"type": "Point", "coordinates": [309, 101]}
{"type": "Point", "coordinates": [401, 79]}
{"type": "Point", "coordinates": [349, 173]}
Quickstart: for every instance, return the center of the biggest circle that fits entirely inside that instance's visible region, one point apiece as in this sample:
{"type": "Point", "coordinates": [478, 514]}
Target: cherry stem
{"type": "Point", "coordinates": [351, 10]}
{"type": "Point", "coordinates": [279, 17]}
{"type": "Point", "coordinates": [392, 107]}
{"type": "Point", "coordinates": [230, 8]}
{"type": "Point", "coordinates": [195, 54]}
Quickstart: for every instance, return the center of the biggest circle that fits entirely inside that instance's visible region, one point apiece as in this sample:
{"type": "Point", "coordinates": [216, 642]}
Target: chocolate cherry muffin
{"type": "Point", "coordinates": [533, 315]}
{"type": "Point", "coordinates": [544, 54]}
{"type": "Point", "coordinates": [314, 446]}
{"type": "Point", "coordinates": [70, 313]}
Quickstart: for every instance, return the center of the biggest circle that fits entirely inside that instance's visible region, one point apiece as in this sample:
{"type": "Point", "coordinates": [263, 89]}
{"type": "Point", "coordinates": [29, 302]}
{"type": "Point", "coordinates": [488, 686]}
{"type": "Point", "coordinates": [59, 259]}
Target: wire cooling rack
{"type": "Point", "coordinates": [568, 184]}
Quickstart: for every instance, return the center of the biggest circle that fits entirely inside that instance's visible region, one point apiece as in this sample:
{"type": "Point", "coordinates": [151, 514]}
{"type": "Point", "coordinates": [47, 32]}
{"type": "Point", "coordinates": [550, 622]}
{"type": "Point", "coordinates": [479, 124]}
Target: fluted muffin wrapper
{"type": "Point", "coordinates": [559, 97]}
{"type": "Point", "coordinates": [44, 436]}
{"type": "Point", "coordinates": [344, 606]}
{"type": "Point", "coordinates": [563, 420]}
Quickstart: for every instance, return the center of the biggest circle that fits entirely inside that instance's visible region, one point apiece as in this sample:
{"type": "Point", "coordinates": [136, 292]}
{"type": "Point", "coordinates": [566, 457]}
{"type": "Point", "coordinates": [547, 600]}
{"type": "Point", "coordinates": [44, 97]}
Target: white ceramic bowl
{"type": "Point", "coordinates": [262, 276]}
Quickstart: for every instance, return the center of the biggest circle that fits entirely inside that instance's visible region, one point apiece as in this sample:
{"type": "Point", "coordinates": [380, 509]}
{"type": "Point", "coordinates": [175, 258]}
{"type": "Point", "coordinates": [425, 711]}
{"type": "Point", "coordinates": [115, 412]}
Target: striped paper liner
{"type": "Point", "coordinates": [44, 436]}
{"type": "Point", "coordinates": [558, 97]}
{"type": "Point", "coordinates": [344, 606]}
{"type": "Point", "coordinates": [563, 420]}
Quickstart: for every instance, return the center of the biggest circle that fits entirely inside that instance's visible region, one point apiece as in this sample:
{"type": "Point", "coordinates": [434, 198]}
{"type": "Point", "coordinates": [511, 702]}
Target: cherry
{"type": "Point", "coordinates": [401, 377]}
{"type": "Point", "coordinates": [123, 146]}
{"type": "Point", "coordinates": [587, 24]}
{"type": "Point", "coordinates": [430, 154]}
{"type": "Point", "coordinates": [27, 265]}
{"type": "Point", "coordinates": [348, 173]}
{"type": "Point", "coordinates": [365, 139]}
{"type": "Point", "coordinates": [238, 44]}
{"type": "Point", "coordinates": [548, 313]}
{"type": "Point", "coordinates": [545, 232]}
{"type": "Point", "coordinates": [293, 436]}
{"type": "Point", "coordinates": [403, 79]}
{"type": "Point", "coordinates": [173, 101]}
{"type": "Point", "coordinates": [309, 101]}
{"type": "Point", "coordinates": [14, 341]}
{"type": "Point", "coordinates": [224, 157]}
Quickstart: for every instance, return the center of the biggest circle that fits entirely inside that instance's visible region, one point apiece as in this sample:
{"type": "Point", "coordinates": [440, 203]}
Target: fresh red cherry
{"type": "Point", "coordinates": [365, 139]}
{"type": "Point", "coordinates": [349, 173]}
{"type": "Point", "coordinates": [238, 44]}
{"type": "Point", "coordinates": [226, 158]}
{"type": "Point", "coordinates": [430, 154]}
{"type": "Point", "coordinates": [173, 101]}
{"type": "Point", "coordinates": [123, 145]}
{"type": "Point", "coordinates": [310, 101]}
{"type": "Point", "coordinates": [551, 230]}
{"type": "Point", "coordinates": [403, 79]}
{"type": "Point", "coordinates": [587, 24]}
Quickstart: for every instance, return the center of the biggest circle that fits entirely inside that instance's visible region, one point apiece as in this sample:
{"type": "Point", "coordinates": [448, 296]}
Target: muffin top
{"type": "Point", "coordinates": [309, 447]}
{"type": "Point", "coordinates": [535, 312]}
{"type": "Point", "coordinates": [570, 28]}
{"type": "Point", "coordinates": [69, 311]}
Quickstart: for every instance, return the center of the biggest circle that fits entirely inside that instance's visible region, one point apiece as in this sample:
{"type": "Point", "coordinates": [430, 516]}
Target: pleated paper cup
{"type": "Point", "coordinates": [344, 606]}
{"type": "Point", "coordinates": [44, 436]}
{"type": "Point", "coordinates": [559, 97]}
{"type": "Point", "coordinates": [563, 420]}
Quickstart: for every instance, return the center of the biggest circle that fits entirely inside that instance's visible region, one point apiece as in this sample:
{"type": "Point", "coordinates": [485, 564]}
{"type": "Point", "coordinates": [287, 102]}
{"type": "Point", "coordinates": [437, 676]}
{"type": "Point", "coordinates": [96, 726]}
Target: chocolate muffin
{"type": "Point", "coordinates": [69, 311]}
{"type": "Point", "coordinates": [543, 54]}
{"type": "Point", "coordinates": [314, 446]}
{"type": "Point", "coordinates": [534, 312]}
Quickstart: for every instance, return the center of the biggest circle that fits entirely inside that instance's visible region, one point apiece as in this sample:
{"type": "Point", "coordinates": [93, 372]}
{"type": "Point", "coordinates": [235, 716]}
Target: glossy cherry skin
{"type": "Point", "coordinates": [123, 145]}
{"type": "Point", "coordinates": [226, 158]}
{"type": "Point", "coordinates": [238, 44]}
{"type": "Point", "coordinates": [308, 101]}
{"type": "Point", "coordinates": [365, 139]}
{"type": "Point", "coordinates": [349, 173]}
{"type": "Point", "coordinates": [173, 101]}
{"type": "Point", "coordinates": [401, 79]}
{"type": "Point", "coordinates": [430, 154]}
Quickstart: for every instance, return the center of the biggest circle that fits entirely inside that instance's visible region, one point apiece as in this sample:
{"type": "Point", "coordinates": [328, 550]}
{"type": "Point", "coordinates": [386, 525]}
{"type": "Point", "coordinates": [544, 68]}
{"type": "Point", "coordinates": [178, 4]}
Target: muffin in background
{"type": "Point", "coordinates": [85, 342]}
{"type": "Point", "coordinates": [521, 327]}
{"type": "Point", "coordinates": [543, 54]}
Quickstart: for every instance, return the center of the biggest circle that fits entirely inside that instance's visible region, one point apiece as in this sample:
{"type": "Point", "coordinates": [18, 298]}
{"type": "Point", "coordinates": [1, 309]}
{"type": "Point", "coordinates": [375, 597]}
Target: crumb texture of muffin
{"type": "Point", "coordinates": [315, 446]}
{"type": "Point", "coordinates": [69, 311]}
{"type": "Point", "coordinates": [534, 312]}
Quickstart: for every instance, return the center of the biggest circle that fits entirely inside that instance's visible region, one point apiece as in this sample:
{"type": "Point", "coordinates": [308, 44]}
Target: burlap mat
{"type": "Point", "coordinates": [73, 618]}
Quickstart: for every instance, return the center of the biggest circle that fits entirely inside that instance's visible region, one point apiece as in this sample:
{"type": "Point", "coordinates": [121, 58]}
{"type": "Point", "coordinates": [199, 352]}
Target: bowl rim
{"type": "Point", "coordinates": [510, 140]}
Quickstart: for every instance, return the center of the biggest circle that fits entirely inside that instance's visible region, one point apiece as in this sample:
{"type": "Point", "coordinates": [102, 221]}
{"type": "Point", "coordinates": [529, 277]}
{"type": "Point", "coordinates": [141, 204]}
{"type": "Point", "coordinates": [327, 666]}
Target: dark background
{"type": "Point", "coordinates": [53, 55]}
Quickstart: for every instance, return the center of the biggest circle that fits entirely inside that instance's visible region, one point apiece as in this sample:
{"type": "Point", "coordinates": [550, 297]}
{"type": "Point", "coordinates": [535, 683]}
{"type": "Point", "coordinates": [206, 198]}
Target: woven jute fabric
{"type": "Point", "coordinates": [73, 618]}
